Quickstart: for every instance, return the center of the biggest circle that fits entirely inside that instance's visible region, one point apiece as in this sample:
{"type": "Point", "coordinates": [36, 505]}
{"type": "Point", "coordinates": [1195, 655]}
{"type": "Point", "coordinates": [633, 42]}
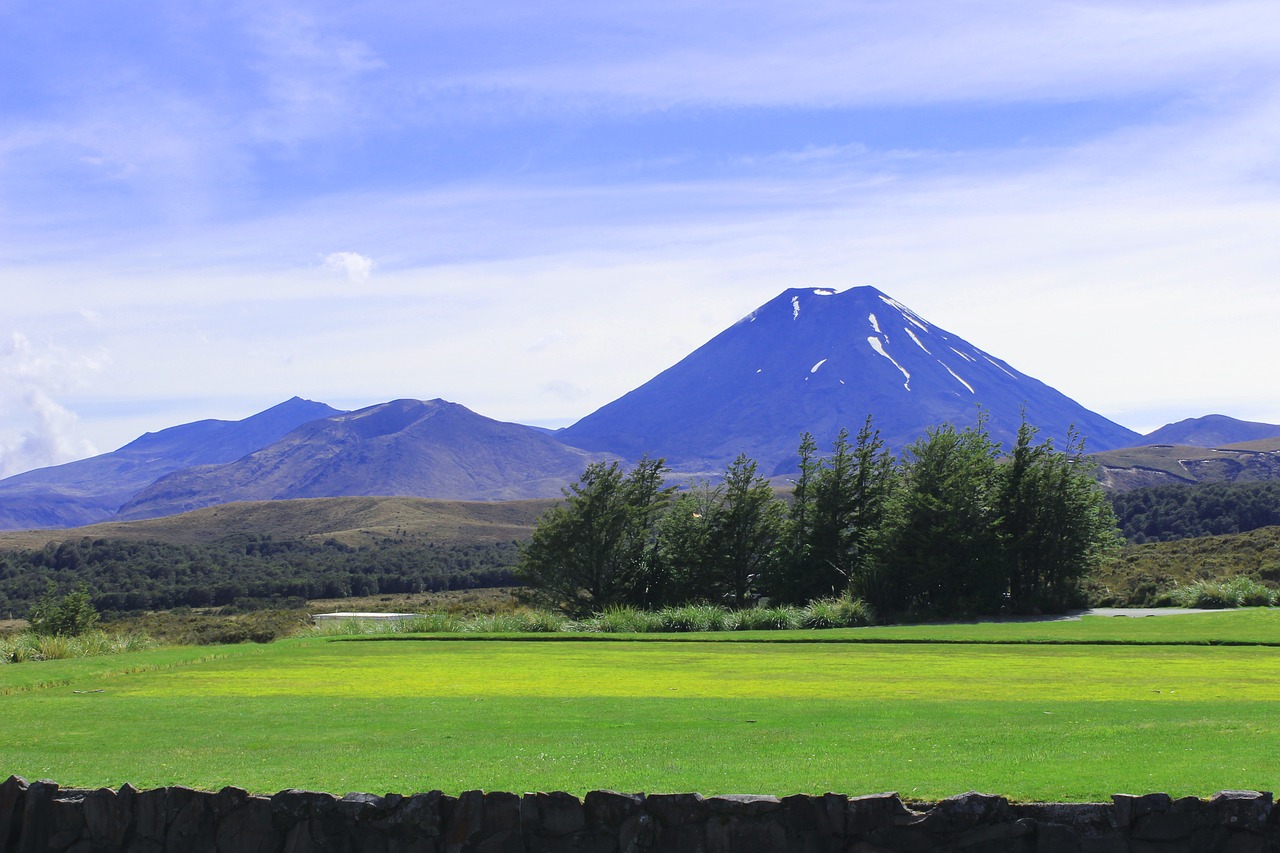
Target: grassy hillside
{"type": "Point", "coordinates": [1144, 571]}
{"type": "Point", "coordinates": [351, 521]}
{"type": "Point", "coordinates": [272, 551]}
{"type": "Point", "coordinates": [1165, 464]}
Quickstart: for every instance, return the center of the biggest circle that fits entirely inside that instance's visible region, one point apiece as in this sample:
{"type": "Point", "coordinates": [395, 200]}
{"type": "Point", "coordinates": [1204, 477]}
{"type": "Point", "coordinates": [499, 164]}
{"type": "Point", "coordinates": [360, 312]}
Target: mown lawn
{"type": "Point", "coordinates": [1045, 722]}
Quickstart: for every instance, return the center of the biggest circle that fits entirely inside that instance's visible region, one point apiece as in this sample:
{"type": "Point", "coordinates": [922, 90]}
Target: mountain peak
{"type": "Point", "coordinates": [1211, 431]}
{"type": "Point", "coordinates": [816, 360]}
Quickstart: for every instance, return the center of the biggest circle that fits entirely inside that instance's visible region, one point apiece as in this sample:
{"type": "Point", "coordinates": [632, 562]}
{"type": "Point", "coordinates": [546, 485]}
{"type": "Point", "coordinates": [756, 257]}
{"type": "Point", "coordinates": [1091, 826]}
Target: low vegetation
{"type": "Point", "coordinates": [1149, 574]}
{"type": "Point", "coordinates": [688, 618]}
{"type": "Point", "coordinates": [132, 576]}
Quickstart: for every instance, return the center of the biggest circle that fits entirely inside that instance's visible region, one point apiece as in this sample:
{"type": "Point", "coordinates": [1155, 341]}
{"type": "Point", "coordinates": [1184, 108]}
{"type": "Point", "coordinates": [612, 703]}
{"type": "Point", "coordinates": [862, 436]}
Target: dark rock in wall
{"type": "Point", "coordinates": [41, 818]}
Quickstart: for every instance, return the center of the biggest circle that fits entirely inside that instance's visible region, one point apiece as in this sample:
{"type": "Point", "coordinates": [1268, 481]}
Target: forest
{"type": "Point", "coordinates": [1169, 513]}
{"type": "Point", "coordinates": [129, 576]}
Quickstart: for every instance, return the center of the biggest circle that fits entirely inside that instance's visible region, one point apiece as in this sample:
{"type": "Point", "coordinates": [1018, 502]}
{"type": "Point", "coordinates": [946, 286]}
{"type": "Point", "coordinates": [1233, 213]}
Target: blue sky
{"type": "Point", "coordinates": [207, 208]}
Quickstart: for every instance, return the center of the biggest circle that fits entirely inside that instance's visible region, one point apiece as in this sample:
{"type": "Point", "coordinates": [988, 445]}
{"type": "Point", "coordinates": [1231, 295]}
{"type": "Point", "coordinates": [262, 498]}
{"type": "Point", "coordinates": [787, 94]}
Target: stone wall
{"type": "Point", "coordinates": [40, 817]}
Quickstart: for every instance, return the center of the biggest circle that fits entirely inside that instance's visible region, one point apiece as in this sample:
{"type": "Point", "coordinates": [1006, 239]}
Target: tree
{"type": "Point", "coordinates": [851, 505]}
{"type": "Point", "coordinates": [597, 549]}
{"type": "Point", "coordinates": [797, 538]}
{"type": "Point", "coordinates": [945, 552]}
{"type": "Point", "coordinates": [1056, 524]}
{"type": "Point", "coordinates": [746, 531]}
{"type": "Point", "coordinates": [684, 548]}
{"type": "Point", "coordinates": [838, 513]}
{"type": "Point", "coordinates": [69, 615]}
{"type": "Point", "coordinates": [720, 543]}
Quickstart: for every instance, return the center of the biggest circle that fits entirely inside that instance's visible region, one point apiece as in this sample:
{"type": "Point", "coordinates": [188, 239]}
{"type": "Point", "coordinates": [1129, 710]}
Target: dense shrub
{"type": "Point", "coordinates": [69, 615]}
{"type": "Point", "coordinates": [784, 618]}
{"type": "Point", "coordinates": [29, 646]}
{"type": "Point", "coordinates": [845, 612]}
{"type": "Point", "coordinates": [1239, 591]}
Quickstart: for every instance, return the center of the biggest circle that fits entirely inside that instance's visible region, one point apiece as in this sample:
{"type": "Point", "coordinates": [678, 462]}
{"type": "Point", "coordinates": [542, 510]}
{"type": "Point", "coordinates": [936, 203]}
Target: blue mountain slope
{"type": "Point", "coordinates": [1211, 431]}
{"type": "Point", "coordinates": [90, 490]}
{"type": "Point", "coordinates": [417, 448]}
{"type": "Point", "coordinates": [816, 360]}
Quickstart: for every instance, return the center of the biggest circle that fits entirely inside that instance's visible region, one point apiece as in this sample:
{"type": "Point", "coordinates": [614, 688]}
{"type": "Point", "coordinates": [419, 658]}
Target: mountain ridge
{"type": "Point", "coordinates": [411, 448]}
{"type": "Point", "coordinates": [1211, 431]}
{"type": "Point", "coordinates": [809, 360]}
{"type": "Point", "coordinates": [93, 489]}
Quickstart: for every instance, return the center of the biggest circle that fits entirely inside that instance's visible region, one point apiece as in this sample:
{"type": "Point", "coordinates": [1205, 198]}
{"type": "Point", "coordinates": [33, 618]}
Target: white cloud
{"type": "Point", "coordinates": [36, 430]}
{"type": "Point", "coordinates": [354, 265]}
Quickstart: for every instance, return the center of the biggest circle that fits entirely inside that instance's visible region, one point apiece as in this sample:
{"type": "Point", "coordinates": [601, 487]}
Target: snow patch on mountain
{"type": "Point", "coordinates": [917, 340]}
{"type": "Point", "coordinates": [875, 324]}
{"type": "Point", "coordinates": [965, 356]}
{"type": "Point", "coordinates": [957, 377]}
{"type": "Point", "coordinates": [795, 307]}
{"type": "Point", "coordinates": [879, 348]}
{"type": "Point", "coordinates": [814, 369]}
{"type": "Point", "coordinates": [1001, 367]}
{"type": "Point", "coordinates": [907, 314]}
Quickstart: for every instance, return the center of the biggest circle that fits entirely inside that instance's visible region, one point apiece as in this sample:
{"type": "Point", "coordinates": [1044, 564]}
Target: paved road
{"type": "Point", "coordinates": [1074, 615]}
{"type": "Point", "coordinates": [1139, 611]}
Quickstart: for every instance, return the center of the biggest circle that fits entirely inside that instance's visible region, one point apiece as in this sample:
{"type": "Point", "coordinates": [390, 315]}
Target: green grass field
{"type": "Point", "coordinates": [1055, 721]}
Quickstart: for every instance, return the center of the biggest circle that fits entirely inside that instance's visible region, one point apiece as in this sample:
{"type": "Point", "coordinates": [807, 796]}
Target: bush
{"type": "Point", "coordinates": [541, 622]}
{"type": "Point", "coordinates": [623, 620]}
{"type": "Point", "coordinates": [69, 616]}
{"type": "Point", "coordinates": [694, 617]}
{"type": "Point", "coordinates": [769, 619]}
{"type": "Point", "coordinates": [1240, 591]}
{"type": "Point", "coordinates": [35, 647]}
{"type": "Point", "coordinates": [845, 612]}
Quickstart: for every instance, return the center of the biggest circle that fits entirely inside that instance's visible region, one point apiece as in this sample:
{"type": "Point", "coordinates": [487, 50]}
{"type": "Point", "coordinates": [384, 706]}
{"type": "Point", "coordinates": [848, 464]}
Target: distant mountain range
{"type": "Point", "coordinates": [809, 360]}
{"type": "Point", "coordinates": [94, 489]}
{"type": "Point", "coordinates": [411, 448]}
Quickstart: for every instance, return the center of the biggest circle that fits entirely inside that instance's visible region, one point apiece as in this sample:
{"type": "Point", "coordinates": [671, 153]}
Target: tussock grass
{"type": "Point", "coordinates": [685, 619]}
{"type": "Point", "coordinates": [1239, 591]}
{"type": "Point", "coordinates": [28, 646]}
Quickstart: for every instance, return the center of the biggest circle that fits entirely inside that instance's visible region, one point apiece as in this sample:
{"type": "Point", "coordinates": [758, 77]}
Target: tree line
{"type": "Point", "coordinates": [1167, 513]}
{"type": "Point", "coordinates": [955, 525]}
{"type": "Point", "coordinates": [127, 576]}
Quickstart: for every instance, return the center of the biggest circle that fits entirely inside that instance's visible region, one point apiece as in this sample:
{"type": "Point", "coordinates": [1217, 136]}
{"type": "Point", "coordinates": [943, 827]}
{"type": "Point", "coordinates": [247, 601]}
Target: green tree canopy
{"type": "Point", "coordinates": [945, 550]}
{"type": "Point", "coordinates": [597, 549]}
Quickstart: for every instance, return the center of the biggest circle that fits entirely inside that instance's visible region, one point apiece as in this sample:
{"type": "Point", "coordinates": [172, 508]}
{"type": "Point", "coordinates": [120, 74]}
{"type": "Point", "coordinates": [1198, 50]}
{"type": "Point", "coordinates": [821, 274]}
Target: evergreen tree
{"type": "Point", "coordinates": [597, 549]}
{"type": "Point", "coordinates": [1056, 523]}
{"type": "Point", "coordinates": [852, 503]}
{"type": "Point", "coordinates": [845, 512]}
{"type": "Point", "coordinates": [794, 555]}
{"type": "Point", "coordinates": [746, 533]}
{"type": "Point", "coordinates": [721, 543]}
{"type": "Point", "coordinates": [945, 551]}
{"type": "Point", "coordinates": [684, 546]}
